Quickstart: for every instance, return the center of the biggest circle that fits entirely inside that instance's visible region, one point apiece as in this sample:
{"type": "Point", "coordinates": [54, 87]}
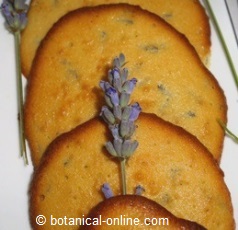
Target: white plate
{"type": "Point", "coordinates": [15, 177]}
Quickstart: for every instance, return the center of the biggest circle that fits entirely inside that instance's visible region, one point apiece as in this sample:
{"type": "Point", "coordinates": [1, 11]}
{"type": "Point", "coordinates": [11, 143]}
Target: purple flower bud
{"type": "Point", "coordinates": [129, 85]}
{"type": "Point", "coordinates": [127, 128]}
{"type": "Point", "coordinates": [107, 191]}
{"type": "Point", "coordinates": [128, 148]}
{"type": "Point", "coordinates": [107, 115]}
{"type": "Point", "coordinates": [126, 112]}
{"type": "Point", "coordinates": [131, 112]}
{"type": "Point", "coordinates": [20, 5]}
{"type": "Point", "coordinates": [122, 58]}
{"type": "Point", "coordinates": [139, 190]}
{"type": "Point", "coordinates": [107, 88]}
{"type": "Point", "coordinates": [6, 8]}
{"type": "Point", "coordinates": [124, 99]}
{"type": "Point", "coordinates": [113, 95]}
{"type": "Point", "coordinates": [117, 143]}
{"type": "Point", "coordinates": [110, 148]}
{"type": "Point", "coordinates": [115, 73]}
{"type": "Point", "coordinates": [124, 128]}
{"type": "Point", "coordinates": [23, 20]}
{"type": "Point", "coordinates": [115, 131]}
{"type": "Point", "coordinates": [118, 62]}
{"type": "Point", "coordinates": [136, 109]}
{"type": "Point", "coordinates": [117, 112]}
{"type": "Point", "coordinates": [104, 85]}
{"type": "Point", "coordinates": [115, 78]}
{"type": "Point", "coordinates": [124, 75]}
{"type": "Point", "coordinates": [15, 15]}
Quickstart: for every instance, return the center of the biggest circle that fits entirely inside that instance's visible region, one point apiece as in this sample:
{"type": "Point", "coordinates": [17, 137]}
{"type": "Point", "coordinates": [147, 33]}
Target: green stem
{"type": "Point", "coordinates": [123, 175]}
{"type": "Point", "coordinates": [17, 37]}
{"type": "Point", "coordinates": [220, 35]}
{"type": "Point", "coordinates": [228, 132]}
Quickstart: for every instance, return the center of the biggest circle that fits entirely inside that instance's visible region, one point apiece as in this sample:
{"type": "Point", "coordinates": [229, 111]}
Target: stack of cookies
{"type": "Point", "coordinates": [180, 140]}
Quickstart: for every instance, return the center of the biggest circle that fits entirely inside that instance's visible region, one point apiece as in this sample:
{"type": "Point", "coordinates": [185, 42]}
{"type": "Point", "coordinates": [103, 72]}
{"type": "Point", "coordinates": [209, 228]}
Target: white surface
{"type": "Point", "coordinates": [220, 68]}
{"type": "Point", "coordinates": [233, 11]}
{"type": "Point", "coordinates": [15, 177]}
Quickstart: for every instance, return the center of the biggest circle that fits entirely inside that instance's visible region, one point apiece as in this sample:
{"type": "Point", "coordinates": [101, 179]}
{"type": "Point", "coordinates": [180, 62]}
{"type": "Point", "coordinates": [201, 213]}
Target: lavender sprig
{"type": "Point", "coordinates": [14, 11]}
{"type": "Point", "coordinates": [119, 115]}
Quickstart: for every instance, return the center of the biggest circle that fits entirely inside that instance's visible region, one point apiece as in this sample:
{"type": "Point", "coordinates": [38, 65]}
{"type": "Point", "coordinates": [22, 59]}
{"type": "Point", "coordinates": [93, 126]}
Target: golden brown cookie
{"type": "Point", "coordinates": [187, 16]}
{"type": "Point", "coordinates": [134, 212]}
{"type": "Point", "coordinates": [173, 167]}
{"type": "Point", "coordinates": [64, 92]}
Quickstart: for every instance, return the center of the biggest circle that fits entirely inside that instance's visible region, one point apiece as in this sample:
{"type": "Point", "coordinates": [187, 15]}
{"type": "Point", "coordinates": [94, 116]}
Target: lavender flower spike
{"type": "Point", "coordinates": [117, 95]}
